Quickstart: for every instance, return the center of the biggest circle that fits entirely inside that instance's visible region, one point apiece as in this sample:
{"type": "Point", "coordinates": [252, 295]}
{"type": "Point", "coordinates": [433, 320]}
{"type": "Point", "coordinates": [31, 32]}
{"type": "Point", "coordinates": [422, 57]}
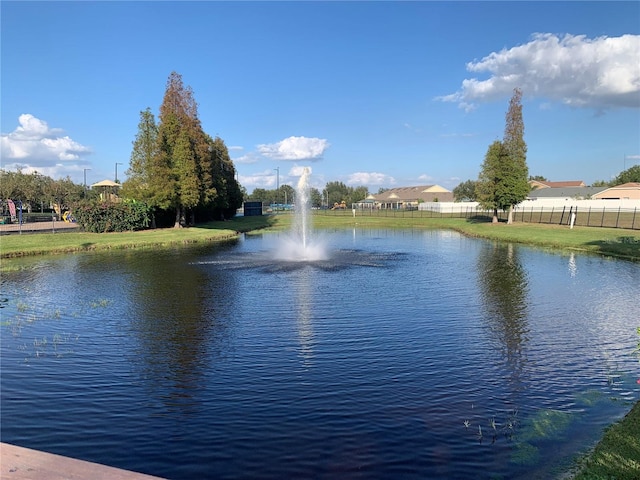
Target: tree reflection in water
{"type": "Point", "coordinates": [178, 327]}
{"type": "Point", "coordinates": [504, 290]}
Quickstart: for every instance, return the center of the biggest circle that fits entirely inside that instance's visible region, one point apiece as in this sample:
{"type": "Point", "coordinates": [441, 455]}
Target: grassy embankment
{"type": "Point", "coordinates": [605, 241]}
{"type": "Point", "coordinates": [616, 456]}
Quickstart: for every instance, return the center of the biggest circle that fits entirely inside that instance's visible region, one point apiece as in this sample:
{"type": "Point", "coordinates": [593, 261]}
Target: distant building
{"type": "Point", "coordinates": [406, 197]}
{"type": "Point", "coordinates": [630, 191]}
{"type": "Point", "coordinates": [564, 193]}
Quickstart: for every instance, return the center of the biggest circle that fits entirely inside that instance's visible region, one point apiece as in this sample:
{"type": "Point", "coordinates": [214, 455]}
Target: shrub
{"type": "Point", "coordinates": [102, 217]}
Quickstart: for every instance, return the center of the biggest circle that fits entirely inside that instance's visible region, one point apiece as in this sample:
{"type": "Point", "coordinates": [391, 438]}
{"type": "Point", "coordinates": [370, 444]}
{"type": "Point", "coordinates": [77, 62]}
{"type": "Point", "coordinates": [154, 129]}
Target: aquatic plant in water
{"type": "Point", "coordinates": [102, 302]}
{"type": "Point", "coordinates": [547, 423]}
{"type": "Point", "coordinates": [525, 454]}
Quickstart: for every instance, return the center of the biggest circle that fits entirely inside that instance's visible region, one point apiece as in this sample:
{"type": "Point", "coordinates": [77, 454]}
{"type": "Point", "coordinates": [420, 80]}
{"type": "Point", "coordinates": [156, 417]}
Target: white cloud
{"type": "Point", "coordinates": [33, 145]}
{"type": "Point", "coordinates": [247, 159]}
{"type": "Point", "coordinates": [425, 178]}
{"type": "Point", "coordinates": [295, 148]}
{"type": "Point", "coordinates": [265, 179]}
{"type": "Point", "coordinates": [601, 73]}
{"type": "Point", "coordinates": [370, 178]}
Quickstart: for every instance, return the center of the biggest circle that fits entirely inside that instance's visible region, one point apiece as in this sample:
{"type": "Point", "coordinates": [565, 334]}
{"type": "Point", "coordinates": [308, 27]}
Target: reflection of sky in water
{"type": "Point", "coordinates": [573, 268]}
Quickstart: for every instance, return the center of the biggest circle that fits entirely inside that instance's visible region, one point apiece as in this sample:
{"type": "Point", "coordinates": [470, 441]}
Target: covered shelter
{"type": "Point", "coordinates": [108, 190]}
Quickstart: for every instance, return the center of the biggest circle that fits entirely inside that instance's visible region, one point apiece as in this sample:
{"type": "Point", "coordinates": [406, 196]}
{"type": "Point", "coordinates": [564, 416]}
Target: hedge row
{"type": "Point", "coordinates": [113, 217]}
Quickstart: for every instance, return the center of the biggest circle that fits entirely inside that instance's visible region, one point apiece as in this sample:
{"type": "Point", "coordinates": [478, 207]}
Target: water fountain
{"type": "Point", "coordinates": [300, 245]}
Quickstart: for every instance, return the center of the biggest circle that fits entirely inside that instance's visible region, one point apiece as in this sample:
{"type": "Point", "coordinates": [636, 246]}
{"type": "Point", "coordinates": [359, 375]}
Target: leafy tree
{"type": "Point", "coordinates": [492, 188]}
{"type": "Point", "coordinates": [503, 181]}
{"type": "Point", "coordinates": [63, 193]}
{"type": "Point", "coordinates": [629, 175]}
{"type": "Point", "coordinates": [337, 192]}
{"type": "Point", "coordinates": [228, 193]}
{"type": "Point", "coordinates": [358, 194]}
{"type": "Point", "coordinates": [146, 181]}
{"type": "Point", "coordinates": [262, 195]}
{"type": "Point", "coordinates": [316, 197]}
{"type": "Point", "coordinates": [29, 188]}
{"type": "Point", "coordinates": [11, 185]}
{"type": "Point", "coordinates": [33, 190]}
{"type": "Point", "coordinates": [465, 191]}
{"type": "Point", "coordinates": [600, 183]}
{"type": "Point", "coordinates": [140, 178]}
{"type": "Point", "coordinates": [286, 194]}
{"type": "Point", "coordinates": [539, 178]}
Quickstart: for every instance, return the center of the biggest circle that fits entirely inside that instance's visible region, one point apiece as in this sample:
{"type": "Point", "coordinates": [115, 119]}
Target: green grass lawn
{"type": "Point", "coordinates": [617, 456]}
{"type": "Point", "coordinates": [606, 241]}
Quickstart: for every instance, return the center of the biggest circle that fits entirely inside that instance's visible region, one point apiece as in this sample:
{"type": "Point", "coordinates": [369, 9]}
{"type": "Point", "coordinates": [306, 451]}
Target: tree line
{"type": "Point", "coordinates": [333, 193]}
{"type": "Point", "coordinates": [38, 193]}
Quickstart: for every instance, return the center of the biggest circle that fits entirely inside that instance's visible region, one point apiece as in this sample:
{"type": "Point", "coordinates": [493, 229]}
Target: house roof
{"type": "Point", "coordinates": [619, 189]}
{"type": "Point", "coordinates": [630, 185]}
{"type": "Point", "coordinates": [546, 184]}
{"type": "Point", "coordinates": [409, 193]}
{"type": "Point", "coordinates": [564, 192]}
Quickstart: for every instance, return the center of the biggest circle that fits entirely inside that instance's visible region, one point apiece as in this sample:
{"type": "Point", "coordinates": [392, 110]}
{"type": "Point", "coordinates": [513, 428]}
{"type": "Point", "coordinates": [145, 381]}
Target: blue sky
{"type": "Point", "coordinates": [380, 94]}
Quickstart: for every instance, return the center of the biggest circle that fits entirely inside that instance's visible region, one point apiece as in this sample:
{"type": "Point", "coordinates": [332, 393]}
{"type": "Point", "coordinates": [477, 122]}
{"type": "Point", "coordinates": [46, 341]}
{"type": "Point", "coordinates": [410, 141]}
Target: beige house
{"type": "Point", "coordinates": [625, 191]}
{"type": "Point", "coordinates": [406, 197]}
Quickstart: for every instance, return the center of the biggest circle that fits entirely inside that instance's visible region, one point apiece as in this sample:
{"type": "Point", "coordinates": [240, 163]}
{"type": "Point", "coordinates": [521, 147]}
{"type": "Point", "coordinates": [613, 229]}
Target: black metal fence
{"type": "Point", "coordinates": [612, 217]}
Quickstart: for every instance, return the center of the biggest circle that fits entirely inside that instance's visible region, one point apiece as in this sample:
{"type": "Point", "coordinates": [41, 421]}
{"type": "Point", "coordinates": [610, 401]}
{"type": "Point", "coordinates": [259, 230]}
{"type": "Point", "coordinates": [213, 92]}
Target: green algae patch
{"type": "Point", "coordinates": [590, 398]}
{"type": "Point", "coordinates": [525, 454]}
{"type": "Point", "coordinates": [546, 424]}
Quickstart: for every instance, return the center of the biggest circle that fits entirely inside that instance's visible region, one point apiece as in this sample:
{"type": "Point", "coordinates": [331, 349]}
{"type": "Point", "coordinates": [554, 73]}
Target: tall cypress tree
{"type": "Point", "coordinates": [182, 147]}
{"type": "Point", "coordinates": [516, 150]}
{"type": "Point", "coordinates": [503, 180]}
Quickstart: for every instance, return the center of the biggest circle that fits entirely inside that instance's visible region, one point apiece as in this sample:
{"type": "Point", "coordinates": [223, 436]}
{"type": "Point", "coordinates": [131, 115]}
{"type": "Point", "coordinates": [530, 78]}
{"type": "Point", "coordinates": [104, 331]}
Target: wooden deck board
{"type": "Point", "coordinates": [19, 463]}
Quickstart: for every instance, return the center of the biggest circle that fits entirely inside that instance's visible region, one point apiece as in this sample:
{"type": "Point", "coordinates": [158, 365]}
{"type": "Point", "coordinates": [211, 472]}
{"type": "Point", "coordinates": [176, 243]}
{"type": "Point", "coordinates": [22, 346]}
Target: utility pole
{"type": "Point", "coordinates": [85, 180]}
{"type": "Point", "coordinates": [117, 163]}
{"type": "Point", "coordinates": [277, 184]}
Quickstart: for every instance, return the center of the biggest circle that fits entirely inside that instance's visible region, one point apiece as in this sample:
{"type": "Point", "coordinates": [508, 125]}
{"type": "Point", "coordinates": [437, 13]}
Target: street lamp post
{"type": "Point", "coordinates": [85, 180]}
{"type": "Point", "coordinates": [117, 163]}
{"type": "Point", "coordinates": [277, 184]}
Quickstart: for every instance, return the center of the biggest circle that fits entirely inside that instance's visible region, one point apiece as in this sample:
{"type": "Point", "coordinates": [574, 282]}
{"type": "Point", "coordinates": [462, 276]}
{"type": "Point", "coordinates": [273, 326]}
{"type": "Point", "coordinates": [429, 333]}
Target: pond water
{"type": "Point", "coordinates": [412, 354]}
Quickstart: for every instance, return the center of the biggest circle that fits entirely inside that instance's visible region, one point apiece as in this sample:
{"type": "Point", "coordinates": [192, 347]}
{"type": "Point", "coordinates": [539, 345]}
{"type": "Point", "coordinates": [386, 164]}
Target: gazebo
{"type": "Point", "coordinates": [108, 191]}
